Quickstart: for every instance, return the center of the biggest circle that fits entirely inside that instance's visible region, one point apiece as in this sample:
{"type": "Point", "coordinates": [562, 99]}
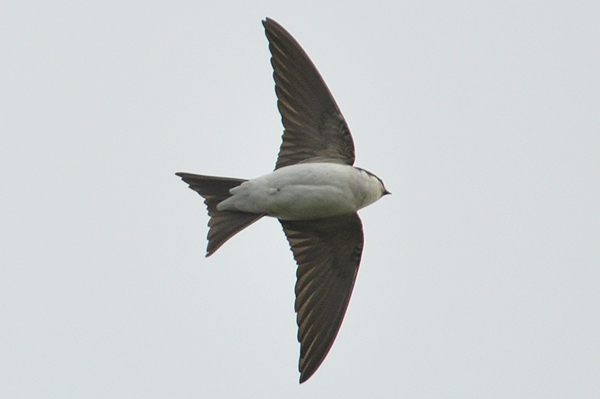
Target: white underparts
{"type": "Point", "coordinates": [306, 191]}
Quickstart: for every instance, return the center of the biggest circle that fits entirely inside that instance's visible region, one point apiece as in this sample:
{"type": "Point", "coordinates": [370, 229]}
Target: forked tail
{"type": "Point", "coordinates": [222, 224]}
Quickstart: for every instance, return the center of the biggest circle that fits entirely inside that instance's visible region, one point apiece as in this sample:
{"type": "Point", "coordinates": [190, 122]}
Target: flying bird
{"type": "Point", "coordinates": [314, 191]}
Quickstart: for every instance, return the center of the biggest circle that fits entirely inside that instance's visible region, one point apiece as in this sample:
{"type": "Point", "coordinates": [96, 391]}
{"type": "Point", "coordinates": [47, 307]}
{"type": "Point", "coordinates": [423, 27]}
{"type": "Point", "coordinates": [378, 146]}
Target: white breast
{"type": "Point", "coordinates": [305, 191]}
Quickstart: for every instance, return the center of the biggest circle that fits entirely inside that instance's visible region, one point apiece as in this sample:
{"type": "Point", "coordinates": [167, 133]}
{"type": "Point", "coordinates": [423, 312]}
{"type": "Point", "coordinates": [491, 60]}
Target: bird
{"type": "Point", "coordinates": [314, 191]}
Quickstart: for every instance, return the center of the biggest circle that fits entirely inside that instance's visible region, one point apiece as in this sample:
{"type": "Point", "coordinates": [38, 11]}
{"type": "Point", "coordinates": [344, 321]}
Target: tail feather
{"type": "Point", "coordinates": [222, 224]}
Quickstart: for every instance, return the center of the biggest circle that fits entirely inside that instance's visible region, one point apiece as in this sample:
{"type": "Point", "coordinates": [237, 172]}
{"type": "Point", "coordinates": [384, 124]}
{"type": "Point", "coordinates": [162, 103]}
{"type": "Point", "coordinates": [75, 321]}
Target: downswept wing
{"type": "Point", "coordinates": [328, 253]}
{"type": "Point", "coordinates": [315, 130]}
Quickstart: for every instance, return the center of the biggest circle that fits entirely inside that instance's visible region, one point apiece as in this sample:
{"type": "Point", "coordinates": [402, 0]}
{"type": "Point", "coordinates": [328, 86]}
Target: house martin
{"type": "Point", "coordinates": [314, 191]}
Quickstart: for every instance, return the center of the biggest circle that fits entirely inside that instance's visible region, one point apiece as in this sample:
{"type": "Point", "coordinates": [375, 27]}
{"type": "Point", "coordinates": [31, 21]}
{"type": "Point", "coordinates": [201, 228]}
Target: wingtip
{"type": "Point", "coordinates": [270, 23]}
{"type": "Point", "coordinates": [305, 376]}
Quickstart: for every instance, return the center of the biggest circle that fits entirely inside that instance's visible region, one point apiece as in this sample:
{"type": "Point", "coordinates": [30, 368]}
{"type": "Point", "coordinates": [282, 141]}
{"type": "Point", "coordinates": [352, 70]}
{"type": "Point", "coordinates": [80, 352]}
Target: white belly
{"type": "Point", "coordinates": [303, 191]}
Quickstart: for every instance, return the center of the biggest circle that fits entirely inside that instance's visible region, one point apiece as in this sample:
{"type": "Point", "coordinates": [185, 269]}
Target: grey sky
{"type": "Point", "coordinates": [480, 275]}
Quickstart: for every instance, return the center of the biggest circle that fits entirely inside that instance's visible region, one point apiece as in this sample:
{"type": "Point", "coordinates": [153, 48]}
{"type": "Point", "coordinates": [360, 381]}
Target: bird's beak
{"type": "Point", "coordinates": [386, 192]}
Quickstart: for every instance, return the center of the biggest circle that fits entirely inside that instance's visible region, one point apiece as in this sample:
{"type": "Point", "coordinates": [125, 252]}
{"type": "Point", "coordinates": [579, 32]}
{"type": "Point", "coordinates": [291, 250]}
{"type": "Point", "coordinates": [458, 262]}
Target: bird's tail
{"type": "Point", "coordinates": [222, 224]}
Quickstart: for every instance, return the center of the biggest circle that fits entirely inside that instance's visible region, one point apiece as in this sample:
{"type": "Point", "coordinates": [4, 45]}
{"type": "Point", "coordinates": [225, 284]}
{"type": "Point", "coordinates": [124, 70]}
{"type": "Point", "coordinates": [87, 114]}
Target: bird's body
{"type": "Point", "coordinates": [305, 191]}
{"type": "Point", "coordinates": [314, 191]}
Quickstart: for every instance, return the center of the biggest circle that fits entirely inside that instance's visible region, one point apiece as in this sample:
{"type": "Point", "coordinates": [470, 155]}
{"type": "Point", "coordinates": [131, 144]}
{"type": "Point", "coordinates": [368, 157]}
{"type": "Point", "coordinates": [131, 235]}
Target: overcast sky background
{"type": "Point", "coordinates": [480, 276]}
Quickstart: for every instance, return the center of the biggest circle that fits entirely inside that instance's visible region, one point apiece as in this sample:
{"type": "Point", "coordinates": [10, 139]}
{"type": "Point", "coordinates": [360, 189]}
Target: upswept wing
{"type": "Point", "coordinates": [315, 130]}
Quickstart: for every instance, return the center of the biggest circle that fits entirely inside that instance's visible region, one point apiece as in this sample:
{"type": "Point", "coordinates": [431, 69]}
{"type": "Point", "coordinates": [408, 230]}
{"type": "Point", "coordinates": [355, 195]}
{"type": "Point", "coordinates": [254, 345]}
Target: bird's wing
{"type": "Point", "coordinates": [314, 128]}
{"type": "Point", "coordinates": [328, 253]}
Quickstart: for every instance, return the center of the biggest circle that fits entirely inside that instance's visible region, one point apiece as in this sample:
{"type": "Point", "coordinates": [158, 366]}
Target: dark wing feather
{"type": "Point", "coordinates": [315, 130]}
{"type": "Point", "coordinates": [328, 253]}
